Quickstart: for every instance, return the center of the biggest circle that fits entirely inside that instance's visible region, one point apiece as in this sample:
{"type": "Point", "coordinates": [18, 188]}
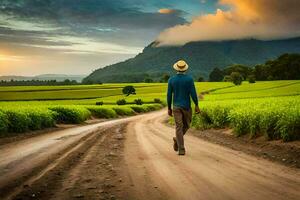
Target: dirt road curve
{"type": "Point", "coordinates": [133, 159]}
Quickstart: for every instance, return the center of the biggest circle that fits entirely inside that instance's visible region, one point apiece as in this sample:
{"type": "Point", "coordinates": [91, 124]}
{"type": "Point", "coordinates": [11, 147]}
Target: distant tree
{"type": "Point", "coordinates": [236, 78]}
{"type": "Point", "coordinates": [201, 79]}
{"type": "Point", "coordinates": [244, 70]}
{"type": "Point", "coordinates": [216, 75]}
{"type": "Point", "coordinates": [165, 78]}
{"type": "Point", "coordinates": [285, 67]}
{"type": "Point", "coordinates": [148, 80]}
{"type": "Point", "coordinates": [261, 72]}
{"type": "Point", "coordinates": [87, 81]}
{"type": "Point", "coordinates": [270, 78]}
{"type": "Point", "coordinates": [251, 79]}
{"type": "Point", "coordinates": [37, 82]}
{"type": "Point", "coordinates": [128, 90]}
{"type": "Point", "coordinates": [67, 81]}
{"type": "Point", "coordinates": [227, 78]}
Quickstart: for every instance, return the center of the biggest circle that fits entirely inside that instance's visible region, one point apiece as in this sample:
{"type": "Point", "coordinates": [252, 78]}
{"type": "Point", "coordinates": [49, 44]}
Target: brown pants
{"type": "Point", "coordinates": [183, 119]}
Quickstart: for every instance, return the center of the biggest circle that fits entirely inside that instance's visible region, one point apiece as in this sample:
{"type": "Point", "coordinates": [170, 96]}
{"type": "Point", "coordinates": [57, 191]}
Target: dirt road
{"type": "Point", "coordinates": [133, 159]}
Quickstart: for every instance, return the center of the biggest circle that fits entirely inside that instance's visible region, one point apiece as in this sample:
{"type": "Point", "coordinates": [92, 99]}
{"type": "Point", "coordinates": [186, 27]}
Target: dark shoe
{"type": "Point", "coordinates": [181, 152]}
{"type": "Point", "coordinates": [175, 146]}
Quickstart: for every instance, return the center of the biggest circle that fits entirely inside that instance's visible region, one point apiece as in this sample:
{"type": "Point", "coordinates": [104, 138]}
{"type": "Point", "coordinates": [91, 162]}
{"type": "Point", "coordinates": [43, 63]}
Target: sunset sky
{"type": "Point", "coordinates": [78, 36]}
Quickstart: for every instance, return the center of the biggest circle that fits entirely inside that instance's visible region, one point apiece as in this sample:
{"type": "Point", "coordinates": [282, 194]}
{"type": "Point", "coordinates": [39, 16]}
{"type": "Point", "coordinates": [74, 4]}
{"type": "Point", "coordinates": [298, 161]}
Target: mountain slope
{"type": "Point", "coordinates": [201, 56]}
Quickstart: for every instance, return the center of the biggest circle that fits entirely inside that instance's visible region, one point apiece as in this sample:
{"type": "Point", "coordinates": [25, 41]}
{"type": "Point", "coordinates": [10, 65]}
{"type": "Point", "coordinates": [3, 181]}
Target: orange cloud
{"type": "Point", "coordinates": [167, 11]}
{"type": "Point", "coordinates": [262, 19]}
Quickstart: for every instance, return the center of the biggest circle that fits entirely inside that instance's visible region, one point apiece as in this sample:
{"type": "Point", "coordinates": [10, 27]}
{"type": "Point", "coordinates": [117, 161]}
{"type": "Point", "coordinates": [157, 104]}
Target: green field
{"type": "Point", "coordinates": [271, 109]}
{"type": "Point", "coordinates": [264, 108]}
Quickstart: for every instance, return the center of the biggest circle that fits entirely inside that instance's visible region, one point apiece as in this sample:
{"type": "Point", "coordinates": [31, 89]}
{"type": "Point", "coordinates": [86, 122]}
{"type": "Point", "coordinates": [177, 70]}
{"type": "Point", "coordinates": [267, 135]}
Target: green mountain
{"type": "Point", "coordinates": [202, 57]}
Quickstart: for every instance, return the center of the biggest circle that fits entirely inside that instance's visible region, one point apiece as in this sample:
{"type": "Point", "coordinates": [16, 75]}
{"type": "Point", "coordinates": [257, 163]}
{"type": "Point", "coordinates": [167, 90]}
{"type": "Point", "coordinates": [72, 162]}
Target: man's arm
{"type": "Point", "coordinates": [169, 97]}
{"type": "Point", "coordinates": [194, 97]}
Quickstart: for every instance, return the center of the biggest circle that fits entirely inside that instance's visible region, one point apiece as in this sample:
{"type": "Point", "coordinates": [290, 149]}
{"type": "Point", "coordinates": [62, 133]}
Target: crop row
{"type": "Point", "coordinates": [20, 119]}
{"type": "Point", "coordinates": [274, 118]}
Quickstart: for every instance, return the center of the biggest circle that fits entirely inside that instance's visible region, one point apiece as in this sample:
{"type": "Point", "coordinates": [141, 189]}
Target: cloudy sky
{"type": "Point", "coordinates": [78, 36]}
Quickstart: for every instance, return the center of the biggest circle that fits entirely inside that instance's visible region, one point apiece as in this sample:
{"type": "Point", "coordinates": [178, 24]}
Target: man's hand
{"type": "Point", "coordinates": [170, 113]}
{"type": "Point", "coordinates": [197, 110]}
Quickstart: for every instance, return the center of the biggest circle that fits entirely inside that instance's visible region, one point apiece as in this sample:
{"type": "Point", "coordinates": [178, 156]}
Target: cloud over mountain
{"type": "Point", "coordinates": [261, 19]}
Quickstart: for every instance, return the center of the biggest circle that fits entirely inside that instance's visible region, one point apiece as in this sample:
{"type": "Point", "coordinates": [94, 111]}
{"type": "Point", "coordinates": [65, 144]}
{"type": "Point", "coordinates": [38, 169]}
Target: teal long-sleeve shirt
{"type": "Point", "coordinates": [180, 88]}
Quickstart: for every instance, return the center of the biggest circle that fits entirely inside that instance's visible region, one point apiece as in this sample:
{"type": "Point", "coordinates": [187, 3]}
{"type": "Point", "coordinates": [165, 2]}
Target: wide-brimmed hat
{"type": "Point", "coordinates": [181, 66]}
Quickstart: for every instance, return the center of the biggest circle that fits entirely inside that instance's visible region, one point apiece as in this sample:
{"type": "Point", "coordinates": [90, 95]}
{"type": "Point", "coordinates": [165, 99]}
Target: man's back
{"type": "Point", "coordinates": [182, 86]}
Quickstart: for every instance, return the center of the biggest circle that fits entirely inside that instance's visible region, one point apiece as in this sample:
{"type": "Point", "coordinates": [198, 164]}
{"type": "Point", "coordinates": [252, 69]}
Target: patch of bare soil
{"type": "Point", "coordinates": [89, 172]}
{"type": "Point", "coordinates": [286, 153]}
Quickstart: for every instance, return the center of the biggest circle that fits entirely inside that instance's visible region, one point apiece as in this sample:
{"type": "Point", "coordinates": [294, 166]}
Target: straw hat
{"type": "Point", "coordinates": [181, 66]}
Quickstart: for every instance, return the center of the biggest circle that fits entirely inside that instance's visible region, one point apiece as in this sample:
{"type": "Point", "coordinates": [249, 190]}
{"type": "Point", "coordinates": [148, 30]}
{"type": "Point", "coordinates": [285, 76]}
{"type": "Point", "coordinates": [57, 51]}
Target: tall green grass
{"type": "Point", "coordinates": [71, 114]}
{"type": "Point", "coordinates": [19, 119]}
{"type": "Point", "coordinates": [102, 112]}
{"type": "Point", "coordinates": [274, 118]}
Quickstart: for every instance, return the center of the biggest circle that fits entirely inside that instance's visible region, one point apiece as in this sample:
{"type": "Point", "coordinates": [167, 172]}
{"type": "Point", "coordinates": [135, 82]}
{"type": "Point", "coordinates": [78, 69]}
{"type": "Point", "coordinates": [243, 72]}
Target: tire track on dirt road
{"type": "Point", "coordinates": [28, 162]}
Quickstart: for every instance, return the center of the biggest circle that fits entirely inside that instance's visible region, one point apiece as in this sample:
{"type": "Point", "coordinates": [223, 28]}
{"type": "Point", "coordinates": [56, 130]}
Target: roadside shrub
{"type": "Point", "coordinates": [157, 100]}
{"type": "Point", "coordinates": [123, 111]}
{"type": "Point", "coordinates": [201, 121]}
{"type": "Point", "coordinates": [218, 116]}
{"type": "Point", "coordinates": [99, 103]}
{"type": "Point", "coordinates": [139, 109]}
{"type": "Point", "coordinates": [121, 102]}
{"type": "Point", "coordinates": [274, 118]}
{"type": "Point", "coordinates": [289, 125]}
{"type": "Point", "coordinates": [18, 121]}
{"type": "Point", "coordinates": [71, 114]}
{"type": "Point", "coordinates": [268, 124]}
{"type": "Point", "coordinates": [102, 112]}
{"type": "Point", "coordinates": [40, 118]}
{"type": "Point", "coordinates": [138, 101]}
{"type": "Point", "coordinates": [3, 123]}
{"type": "Point", "coordinates": [24, 119]}
{"type": "Point", "coordinates": [153, 107]}
{"type": "Point", "coordinates": [239, 121]}
{"type": "Point", "coordinates": [254, 124]}
{"type": "Point", "coordinates": [48, 119]}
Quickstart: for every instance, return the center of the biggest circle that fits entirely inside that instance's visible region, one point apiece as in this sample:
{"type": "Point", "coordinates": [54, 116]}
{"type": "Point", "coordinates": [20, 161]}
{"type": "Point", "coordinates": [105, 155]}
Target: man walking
{"type": "Point", "coordinates": [181, 88]}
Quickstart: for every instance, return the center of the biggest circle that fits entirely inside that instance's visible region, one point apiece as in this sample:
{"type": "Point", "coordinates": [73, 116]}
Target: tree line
{"type": "Point", "coordinates": [13, 82]}
{"type": "Point", "coordinates": [285, 67]}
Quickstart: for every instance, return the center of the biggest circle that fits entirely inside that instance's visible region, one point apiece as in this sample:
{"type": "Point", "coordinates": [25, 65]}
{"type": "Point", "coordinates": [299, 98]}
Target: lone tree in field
{"type": "Point", "coordinates": [128, 90]}
{"type": "Point", "coordinates": [236, 78]}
